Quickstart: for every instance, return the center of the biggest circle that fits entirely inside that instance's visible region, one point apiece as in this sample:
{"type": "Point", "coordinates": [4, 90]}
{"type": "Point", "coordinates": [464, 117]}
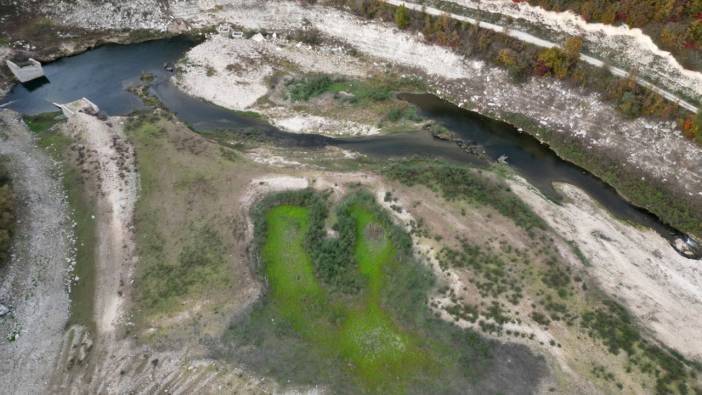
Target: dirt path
{"type": "Point", "coordinates": [110, 163]}
{"type": "Point", "coordinates": [35, 284]}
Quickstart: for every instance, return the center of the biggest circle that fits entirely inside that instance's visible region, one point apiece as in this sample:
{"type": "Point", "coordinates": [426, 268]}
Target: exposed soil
{"type": "Point", "coordinates": [36, 282]}
{"type": "Point", "coordinates": [638, 267]}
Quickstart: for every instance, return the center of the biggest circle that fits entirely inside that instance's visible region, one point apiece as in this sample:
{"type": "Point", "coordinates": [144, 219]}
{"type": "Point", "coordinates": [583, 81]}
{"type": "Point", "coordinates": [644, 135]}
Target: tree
{"type": "Point", "coordinates": [555, 62]}
{"type": "Point", "coordinates": [695, 32]}
{"type": "Point", "coordinates": [506, 57]}
{"type": "Point", "coordinates": [630, 105]}
{"type": "Point", "coordinates": [511, 61]}
{"type": "Point", "coordinates": [572, 47]}
{"type": "Point", "coordinates": [402, 17]}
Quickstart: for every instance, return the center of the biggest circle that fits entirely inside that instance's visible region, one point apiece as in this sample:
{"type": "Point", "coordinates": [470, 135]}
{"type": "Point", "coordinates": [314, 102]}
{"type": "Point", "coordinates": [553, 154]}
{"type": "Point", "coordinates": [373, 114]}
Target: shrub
{"type": "Point", "coordinates": [7, 215]}
{"type": "Point", "coordinates": [307, 88]}
{"type": "Point", "coordinates": [402, 18]}
{"type": "Point", "coordinates": [458, 182]}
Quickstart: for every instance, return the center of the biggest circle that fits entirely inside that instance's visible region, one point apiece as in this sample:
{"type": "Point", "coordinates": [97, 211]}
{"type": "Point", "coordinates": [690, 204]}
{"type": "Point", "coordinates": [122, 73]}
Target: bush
{"type": "Point", "coordinates": [457, 182]}
{"type": "Point", "coordinates": [307, 88]}
{"type": "Point", "coordinates": [398, 114]}
{"type": "Point", "coordinates": [7, 215]}
{"type": "Point", "coordinates": [402, 17]}
{"type": "Point", "coordinates": [310, 36]}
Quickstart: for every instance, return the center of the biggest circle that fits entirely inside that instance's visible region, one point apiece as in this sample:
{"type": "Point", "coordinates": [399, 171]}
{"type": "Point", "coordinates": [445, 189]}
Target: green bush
{"type": "Point", "coordinates": [402, 17]}
{"type": "Point", "coordinates": [458, 182]}
{"type": "Point", "coordinates": [398, 114]}
{"type": "Point", "coordinates": [307, 88]}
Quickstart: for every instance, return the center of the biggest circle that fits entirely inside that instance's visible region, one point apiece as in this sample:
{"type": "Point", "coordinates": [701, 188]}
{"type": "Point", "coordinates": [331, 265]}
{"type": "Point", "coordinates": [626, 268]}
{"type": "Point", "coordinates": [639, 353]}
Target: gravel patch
{"type": "Point", "coordinates": [36, 284]}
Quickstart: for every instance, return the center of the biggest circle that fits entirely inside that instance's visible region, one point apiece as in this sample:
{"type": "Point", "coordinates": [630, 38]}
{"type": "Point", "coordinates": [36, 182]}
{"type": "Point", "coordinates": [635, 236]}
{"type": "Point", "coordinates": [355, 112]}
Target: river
{"type": "Point", "coordinates": [104, 74]}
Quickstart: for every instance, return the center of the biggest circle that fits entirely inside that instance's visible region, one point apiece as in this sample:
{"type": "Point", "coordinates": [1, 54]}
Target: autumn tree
{"type": "Point", "coordinates": [572, 47]}
{"type": "Point", "coordinates": [554, 62]}
{"type": "Point", "coordinates": [695, 32]}
{"type": "Point", "coordinates": [512, 61]}
{"type": "Point", "coordinates": [629, 104]}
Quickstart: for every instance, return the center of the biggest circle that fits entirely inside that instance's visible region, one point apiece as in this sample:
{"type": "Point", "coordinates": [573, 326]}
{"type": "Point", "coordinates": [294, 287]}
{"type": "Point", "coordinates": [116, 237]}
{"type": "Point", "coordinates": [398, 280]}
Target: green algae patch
{"type": "Point", "coordinates": [358, 332]}
{"type": "Point", "coordinates": [378, 336]}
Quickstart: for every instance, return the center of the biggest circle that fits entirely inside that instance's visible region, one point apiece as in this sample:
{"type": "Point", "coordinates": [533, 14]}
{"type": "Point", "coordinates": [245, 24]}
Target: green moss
{"type": "Point", "coordinates": [365, 335]}
{"type": "Point", "coordinates": [381, 338]}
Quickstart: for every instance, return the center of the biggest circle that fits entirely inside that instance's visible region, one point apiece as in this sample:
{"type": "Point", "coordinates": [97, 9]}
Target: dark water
{"type": "Point", "coordinates": [534, 161]}
{"type": "Point", "coordinates": [103, 75]}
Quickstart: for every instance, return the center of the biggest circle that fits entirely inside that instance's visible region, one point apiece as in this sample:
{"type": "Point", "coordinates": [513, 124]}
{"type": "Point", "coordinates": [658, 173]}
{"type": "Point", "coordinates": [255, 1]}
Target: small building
{"type": "Point", "coordinates": [26, 72]}
{"type": "Point", "coordinates": [224, 29]}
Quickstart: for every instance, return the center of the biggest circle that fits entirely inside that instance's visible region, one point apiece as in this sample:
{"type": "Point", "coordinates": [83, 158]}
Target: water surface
{"type": "Point", "coordinates": [104, 74]}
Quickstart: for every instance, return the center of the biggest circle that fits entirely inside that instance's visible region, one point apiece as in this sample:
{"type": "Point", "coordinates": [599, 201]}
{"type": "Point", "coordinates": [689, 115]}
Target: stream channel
{"type": "Point", "coordinates": [104, 74]}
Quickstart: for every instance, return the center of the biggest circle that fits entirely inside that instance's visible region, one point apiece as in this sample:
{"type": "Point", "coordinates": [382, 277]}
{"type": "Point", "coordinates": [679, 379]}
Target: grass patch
{"type": "Point", "coordinates": [401, 113]}
{"type": "Point", "coordinates": [184, 251]}
{"type": "Point", "coordinates": [41, 123]}
{"type": "Point", "coordinates": [372, 90]}
{"type": "Point", "coordinates": [378, 338]}
{"type": "Point", "coordinates": [458, 182]}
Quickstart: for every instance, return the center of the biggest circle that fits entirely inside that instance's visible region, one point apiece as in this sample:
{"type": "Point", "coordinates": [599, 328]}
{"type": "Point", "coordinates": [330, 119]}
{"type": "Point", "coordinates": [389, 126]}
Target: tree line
{"type": "Point", "coordinates": [523, 60]}
{"type": "Point", "coordinates": [675, 25]}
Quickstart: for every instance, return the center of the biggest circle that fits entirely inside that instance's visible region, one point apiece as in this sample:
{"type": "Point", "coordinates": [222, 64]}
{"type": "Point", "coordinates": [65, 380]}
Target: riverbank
{"type": "Point", "coordinates": [652, 153]}
{"type": "Point", "coordinates": [599, 300]}
{"type": "Point", "coordinates": [643, 148]}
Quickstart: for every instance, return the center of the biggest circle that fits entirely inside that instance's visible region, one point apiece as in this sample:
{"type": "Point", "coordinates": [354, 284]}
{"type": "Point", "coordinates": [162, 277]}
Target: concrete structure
{"type": "Point", "coordinates": [25, 73]}
{"type": "Point", "coordinates": [224, 29]}
{"type": "Point", "coordinates": [80, 105]}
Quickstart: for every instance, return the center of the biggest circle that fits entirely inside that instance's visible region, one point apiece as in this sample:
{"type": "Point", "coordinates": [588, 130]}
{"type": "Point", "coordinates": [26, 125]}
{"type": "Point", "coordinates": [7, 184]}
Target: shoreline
{"type": "Point", "coordinates": [527, 125]}
{"type": "Point", "coordinates": [479, 96]}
